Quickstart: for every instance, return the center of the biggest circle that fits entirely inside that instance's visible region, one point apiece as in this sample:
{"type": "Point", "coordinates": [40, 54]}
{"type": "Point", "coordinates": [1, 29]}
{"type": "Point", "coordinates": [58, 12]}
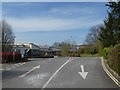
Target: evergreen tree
{"type": "Point", "coordinates": [110, 31]}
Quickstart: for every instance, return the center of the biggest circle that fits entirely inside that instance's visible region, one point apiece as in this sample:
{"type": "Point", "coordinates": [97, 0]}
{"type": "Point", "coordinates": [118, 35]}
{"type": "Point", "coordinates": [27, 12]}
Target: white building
{"type": "Point", "coordinates": [24, 47]}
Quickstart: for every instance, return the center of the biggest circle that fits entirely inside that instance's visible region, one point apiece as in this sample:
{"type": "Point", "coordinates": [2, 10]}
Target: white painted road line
{"type": "Point", "coordinates": [1, 69]}
{"type": "Point", "coordinates": [30, 71]}
{"type": "Point", "coordinates": [24, 63]}
{"type": "Point", "coordinates": [13, 66]}
{"type": "Point", "coordinates": [20, 64]}
{"type": "Point", "coordinates": [8, 69]}
{"type": "Point", "coordinates": [73, 58]}
{"type": "Point", "coordinates": [17, 65]}
{"type": "Point", "coordinates": [55, 74]}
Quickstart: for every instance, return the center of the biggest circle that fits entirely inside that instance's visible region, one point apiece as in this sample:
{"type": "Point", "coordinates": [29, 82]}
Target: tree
{"type": "Point", "coordinates": [93, 35]}
{"type": "Point", "coordinates": [7, 36]}
{"type": "Point", "coordinates": [65, 47]}
{"type": "Point", "coordinates": [114, 9]}
{"type": "Point", "coordinates": [106, 33]}
{"type": "Point", "coordinates": [65, 50]}
{"type": "Point", "coordinates": [110, 32]}
{"type": "Point", "coordinates": [56, 44]}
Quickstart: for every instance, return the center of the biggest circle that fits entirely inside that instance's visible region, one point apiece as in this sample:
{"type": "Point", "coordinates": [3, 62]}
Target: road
{"type": "Point", "coordinates": [59, 72]}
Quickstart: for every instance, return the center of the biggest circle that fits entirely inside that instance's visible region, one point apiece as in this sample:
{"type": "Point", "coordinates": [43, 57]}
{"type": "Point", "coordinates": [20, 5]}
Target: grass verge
{"type": "Point", "coordinates": [89, 55]}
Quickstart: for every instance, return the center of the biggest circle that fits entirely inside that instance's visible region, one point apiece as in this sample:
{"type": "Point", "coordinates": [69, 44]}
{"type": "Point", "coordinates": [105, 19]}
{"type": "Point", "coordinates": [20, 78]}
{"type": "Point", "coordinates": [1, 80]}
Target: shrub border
{"type": "Point", "coordinates": [112, 74]}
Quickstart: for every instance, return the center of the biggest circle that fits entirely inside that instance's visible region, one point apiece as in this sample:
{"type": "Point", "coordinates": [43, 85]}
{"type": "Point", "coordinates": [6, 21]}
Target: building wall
{"type": "Point", "coordinates": [21, 48]}
{"type": "Point", "coordinates": [33, 46]}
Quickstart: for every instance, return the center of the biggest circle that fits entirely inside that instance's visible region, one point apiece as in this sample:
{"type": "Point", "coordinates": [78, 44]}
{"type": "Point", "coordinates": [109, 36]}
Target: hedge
{"type": "Point", "coordinates": [10, 56]}
{"type": "Point", "coordinates": [106, 51]}
{"type": "Point", "coordinates": [114, 58]}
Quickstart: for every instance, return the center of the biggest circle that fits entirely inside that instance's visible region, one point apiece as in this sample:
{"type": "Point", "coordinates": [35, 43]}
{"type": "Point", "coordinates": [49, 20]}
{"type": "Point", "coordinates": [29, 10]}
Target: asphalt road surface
{"type": "Point", "coordinates": [59, 72]}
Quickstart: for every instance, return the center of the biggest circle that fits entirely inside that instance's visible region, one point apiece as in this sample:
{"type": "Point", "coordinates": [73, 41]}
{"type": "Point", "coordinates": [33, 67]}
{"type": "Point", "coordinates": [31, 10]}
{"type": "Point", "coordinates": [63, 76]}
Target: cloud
{"type": "Point", "coordinates": [52, 17]}
{"type": "Point", "coordinates": [61, 10]}
{"type": "Point", "coordinates": [50, 24]}
{"type": "Point", "coordinates": [74, 11]}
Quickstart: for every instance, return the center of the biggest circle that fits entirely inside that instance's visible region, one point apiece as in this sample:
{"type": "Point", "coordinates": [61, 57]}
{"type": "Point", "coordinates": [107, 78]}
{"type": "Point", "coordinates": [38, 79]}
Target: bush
{"type": "Point", "coordinates": [10, 56]}
{"type": "Point", "coordinates": [114, 58]}
{"type": "Point", "coordinates": [106, 51]}
{"type": "Point", "coordinates": [100, 48]}
{"type": "Point", "coordinates": [91, 49]}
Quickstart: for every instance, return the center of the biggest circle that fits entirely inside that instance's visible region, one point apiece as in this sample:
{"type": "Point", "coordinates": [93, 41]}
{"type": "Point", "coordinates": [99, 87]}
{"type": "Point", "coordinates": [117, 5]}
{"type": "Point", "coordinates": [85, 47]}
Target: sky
{"type": "Point", "coordinates": [56, 0]}
{"type": "Point", "coordinates": [47, 22]}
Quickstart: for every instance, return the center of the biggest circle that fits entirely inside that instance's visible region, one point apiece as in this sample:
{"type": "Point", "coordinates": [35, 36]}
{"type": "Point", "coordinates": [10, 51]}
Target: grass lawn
{"type": "Point", "coordinates": [89, 55]}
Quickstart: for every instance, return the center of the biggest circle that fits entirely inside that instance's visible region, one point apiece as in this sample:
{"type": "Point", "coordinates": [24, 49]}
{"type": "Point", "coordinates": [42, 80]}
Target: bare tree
{"type": "Point", "coordinates": [7, 36]}
{"type": "Point", "coordinates": [65, 47]}
{"type": "Point", "coordinates": [93, 35]}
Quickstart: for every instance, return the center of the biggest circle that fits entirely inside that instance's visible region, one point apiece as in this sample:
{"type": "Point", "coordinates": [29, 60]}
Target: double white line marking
{"type": "Point", "coordinates": [109, 74]}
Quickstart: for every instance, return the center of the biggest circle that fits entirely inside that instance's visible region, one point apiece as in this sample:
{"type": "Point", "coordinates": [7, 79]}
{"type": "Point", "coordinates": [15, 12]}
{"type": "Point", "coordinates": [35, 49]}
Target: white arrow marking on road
{"type": "Point", "coordinates": [83, 73]}
{"type": "Point", "coordinates": [30, 71]}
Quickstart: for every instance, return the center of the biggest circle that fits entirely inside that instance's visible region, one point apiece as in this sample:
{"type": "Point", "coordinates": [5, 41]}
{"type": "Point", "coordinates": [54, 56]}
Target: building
{"type": "Point", "coordinates": [24, 48]}
{"type": "Point", "coordinates": [55, 51]}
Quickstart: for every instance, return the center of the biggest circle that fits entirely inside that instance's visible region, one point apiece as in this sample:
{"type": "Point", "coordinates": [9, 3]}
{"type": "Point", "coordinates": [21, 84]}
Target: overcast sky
{"type": "Point", "coordinates": [46, 23]}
